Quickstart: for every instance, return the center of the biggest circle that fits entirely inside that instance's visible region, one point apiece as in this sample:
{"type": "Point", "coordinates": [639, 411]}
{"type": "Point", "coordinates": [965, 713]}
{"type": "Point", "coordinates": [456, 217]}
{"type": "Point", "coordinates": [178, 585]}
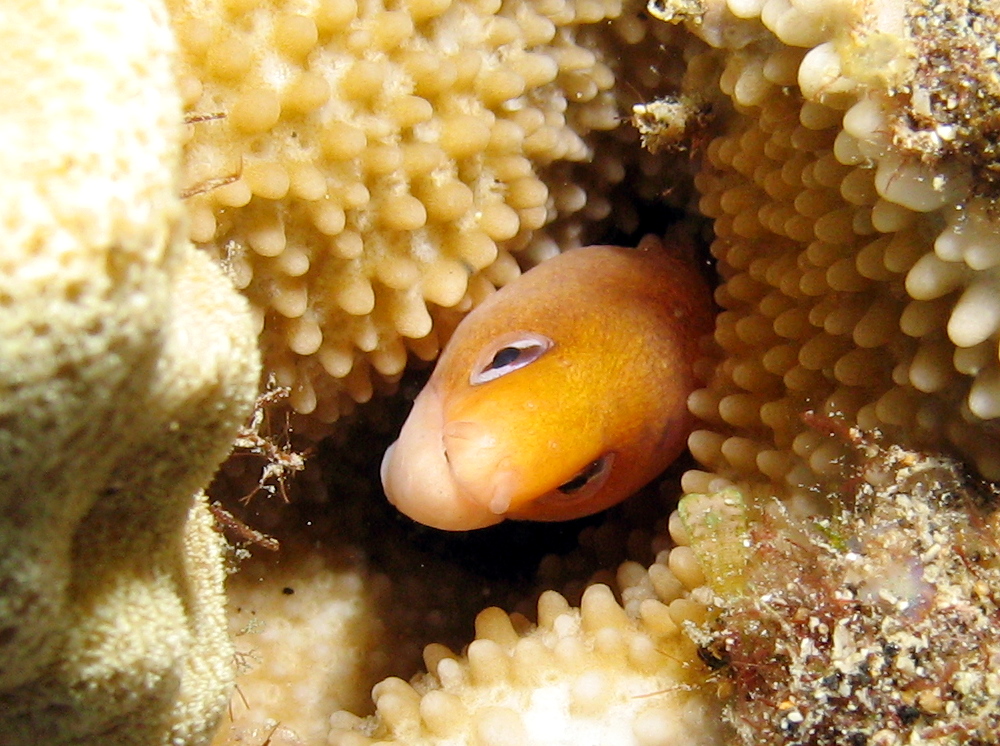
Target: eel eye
{"type": "Point", "coordinates": [589, 479]}
{"type": "Point", "coordinates": [508, 353]}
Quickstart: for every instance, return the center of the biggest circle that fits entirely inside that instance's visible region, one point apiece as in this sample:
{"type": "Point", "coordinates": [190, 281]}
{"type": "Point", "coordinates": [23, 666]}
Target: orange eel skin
{"type": "Point", "coordinates": [558, 396]}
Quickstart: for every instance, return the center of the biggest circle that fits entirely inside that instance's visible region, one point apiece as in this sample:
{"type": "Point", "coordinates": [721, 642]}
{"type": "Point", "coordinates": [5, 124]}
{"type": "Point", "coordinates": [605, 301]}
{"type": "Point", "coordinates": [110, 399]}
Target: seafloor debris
{"type": "Point", "coordinates": [954, 89]}
{"type": "Point", "coordinates": [873, 626]}
{"type": "Point", "coordinates": [280, 460]}
{"type": "Point", "coordinates": [672, 123]}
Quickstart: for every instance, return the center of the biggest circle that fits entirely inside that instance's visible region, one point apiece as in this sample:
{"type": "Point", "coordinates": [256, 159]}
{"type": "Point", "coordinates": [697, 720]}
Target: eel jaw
{"type": "Point", "coordinates": [417, 477]}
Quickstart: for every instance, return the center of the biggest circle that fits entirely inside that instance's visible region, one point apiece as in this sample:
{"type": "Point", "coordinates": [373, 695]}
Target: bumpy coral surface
{"type": "Point", "coordinates": [587, 676]}
{"type": "Point", "coordinates": [858, 256]}
{"type": "Point", "coordinates": [127, 362]}
{"type": "Point", "coordinates": [358, 167]}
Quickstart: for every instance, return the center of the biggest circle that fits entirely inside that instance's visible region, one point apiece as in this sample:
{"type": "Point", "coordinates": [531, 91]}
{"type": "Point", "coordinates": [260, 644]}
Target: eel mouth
{"type": "Point", "coordinates": [419, 480]}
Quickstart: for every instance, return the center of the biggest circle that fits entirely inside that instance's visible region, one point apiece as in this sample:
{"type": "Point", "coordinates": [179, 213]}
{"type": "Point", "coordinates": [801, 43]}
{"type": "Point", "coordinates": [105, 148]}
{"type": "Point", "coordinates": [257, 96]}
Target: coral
{"type": "Point", "coordinates": [845, 154]}
{"type": "Point", "coordinates": [128, 363]}
{"type": "Point", "coordinates": [542, 668]}
{"type": "Point", "coordinates": [886, 635]}
{"type": "Point", "coordinates": [359, 167]}
{"type": "Point", "coordinates": [858, 262]}
{"type": "Point", "coordinates": [304, 640]}
{"type": "Point", "coordinates": [583, 676]}
{"type": "Point", "coordinates": [855, 238]}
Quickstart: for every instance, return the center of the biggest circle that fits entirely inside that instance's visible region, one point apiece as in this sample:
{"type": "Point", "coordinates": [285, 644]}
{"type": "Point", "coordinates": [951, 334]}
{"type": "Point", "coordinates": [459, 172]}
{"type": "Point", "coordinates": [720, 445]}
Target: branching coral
{"type": "Point", "coordinates": [128, 362]}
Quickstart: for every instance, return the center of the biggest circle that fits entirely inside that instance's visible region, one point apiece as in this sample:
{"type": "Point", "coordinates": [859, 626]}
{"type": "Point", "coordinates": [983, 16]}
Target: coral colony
{"type": "Point", "coordinates": [365, 173]}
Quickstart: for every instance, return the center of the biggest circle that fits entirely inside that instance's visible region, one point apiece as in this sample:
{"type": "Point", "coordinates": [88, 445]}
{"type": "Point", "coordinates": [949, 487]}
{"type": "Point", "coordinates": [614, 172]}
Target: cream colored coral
{"type": "Point", "coordinates": [590, 676]}
{"type": "Point", "coordinates": [856, 267]}
{"type": "Point", "coordinates": [307, 633]}
{"type": "Point", "coordinates": [606, 672]}
{"type": "Point", "coordinates": [128, 362]}
{"type": "Point", "coordinates": [385, 159]}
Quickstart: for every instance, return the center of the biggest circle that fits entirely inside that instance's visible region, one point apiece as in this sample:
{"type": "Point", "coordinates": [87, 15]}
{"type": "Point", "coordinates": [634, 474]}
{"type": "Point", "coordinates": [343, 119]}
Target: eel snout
{"type": "Point", "coordinates": [418, 478]}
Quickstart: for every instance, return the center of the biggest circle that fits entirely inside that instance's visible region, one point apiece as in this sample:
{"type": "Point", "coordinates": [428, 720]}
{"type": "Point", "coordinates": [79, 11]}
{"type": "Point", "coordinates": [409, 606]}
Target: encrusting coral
{"type": "Point", "coordinates": [591, 675]}
{"type": "Point", "coordinates": [858, 256]}
{"type": "Point", "coordinates": [128, 363]}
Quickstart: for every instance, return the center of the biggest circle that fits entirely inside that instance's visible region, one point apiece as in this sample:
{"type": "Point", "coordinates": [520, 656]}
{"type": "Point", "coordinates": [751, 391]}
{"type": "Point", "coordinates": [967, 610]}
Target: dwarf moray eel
{"type": "Point", "coordinates": [559, 396]}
